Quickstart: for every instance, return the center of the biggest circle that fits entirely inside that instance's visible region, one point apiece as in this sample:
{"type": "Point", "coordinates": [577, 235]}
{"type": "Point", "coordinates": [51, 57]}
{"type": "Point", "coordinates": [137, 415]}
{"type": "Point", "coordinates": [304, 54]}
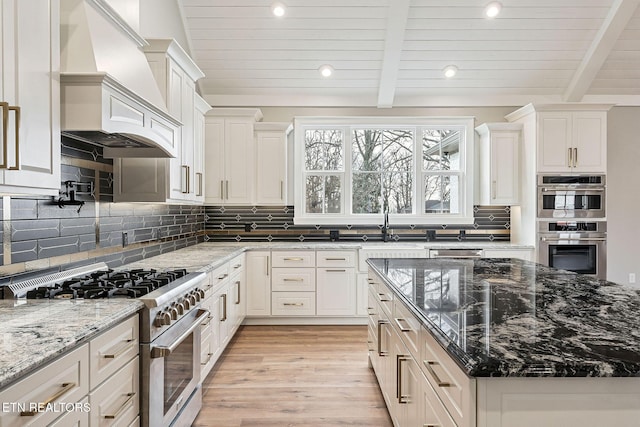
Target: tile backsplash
{"type": "Point", "coordinates": [275, 223]}
{"type": "Point", "coordinates": [37, 233]}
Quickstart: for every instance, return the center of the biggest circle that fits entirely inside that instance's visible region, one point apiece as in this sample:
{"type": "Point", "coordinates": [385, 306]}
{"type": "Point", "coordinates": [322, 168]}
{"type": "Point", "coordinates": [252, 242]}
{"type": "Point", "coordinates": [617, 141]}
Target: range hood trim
{"type": "Point", "coordinates": [114, 17]}
{"type": "Point", "coordinates": [93, 109]}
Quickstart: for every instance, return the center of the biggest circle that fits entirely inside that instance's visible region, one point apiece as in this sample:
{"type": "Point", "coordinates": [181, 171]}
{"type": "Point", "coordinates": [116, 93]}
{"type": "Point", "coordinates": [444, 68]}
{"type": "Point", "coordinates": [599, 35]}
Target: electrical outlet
{"type": "Point", "coordinates": [125, 239]}
{"type": "Point", "coordinates": [632, 277]}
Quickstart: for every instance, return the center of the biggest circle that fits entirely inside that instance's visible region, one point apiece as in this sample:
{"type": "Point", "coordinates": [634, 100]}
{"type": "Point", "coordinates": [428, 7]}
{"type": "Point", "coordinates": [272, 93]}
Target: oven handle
{"type": "Point", "coordinates": [585, 239]}
{"type": "Point", "coordinates": [574, 189]}
{"type": "Point", "coordinates": [164, 351]}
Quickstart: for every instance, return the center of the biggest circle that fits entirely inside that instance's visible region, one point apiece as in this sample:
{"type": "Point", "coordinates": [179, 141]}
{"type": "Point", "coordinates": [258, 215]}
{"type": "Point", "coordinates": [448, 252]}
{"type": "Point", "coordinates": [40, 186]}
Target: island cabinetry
{"type": "Point", "coordinates": [230, 155]}
{"type": "Point", "coordinates": [499, 151]}
{"type": "Point", "coordinates": [258, 275]}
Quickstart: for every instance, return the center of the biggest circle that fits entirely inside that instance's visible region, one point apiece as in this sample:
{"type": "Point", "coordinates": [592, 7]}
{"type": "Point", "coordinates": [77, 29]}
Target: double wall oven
{"type": "Point", "coordinates": [572, 229]}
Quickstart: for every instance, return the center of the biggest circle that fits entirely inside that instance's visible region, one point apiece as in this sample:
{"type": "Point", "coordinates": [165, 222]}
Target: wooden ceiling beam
{"type": "Point", "coordinates": [614, 24]}
{"type": "Point", "coordinates": [394, 39]}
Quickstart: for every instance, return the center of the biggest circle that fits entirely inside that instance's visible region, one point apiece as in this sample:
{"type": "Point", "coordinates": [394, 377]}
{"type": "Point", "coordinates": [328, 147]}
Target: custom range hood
{"type": "Point", "coordinates": [109, 95]}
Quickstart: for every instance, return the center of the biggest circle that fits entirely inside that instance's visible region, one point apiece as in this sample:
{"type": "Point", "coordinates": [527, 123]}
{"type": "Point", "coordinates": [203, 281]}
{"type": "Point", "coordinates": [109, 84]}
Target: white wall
{"type": "Point", "coordinates": [623, 194]}
{"type": "Point", "coordinates": [162, 19]}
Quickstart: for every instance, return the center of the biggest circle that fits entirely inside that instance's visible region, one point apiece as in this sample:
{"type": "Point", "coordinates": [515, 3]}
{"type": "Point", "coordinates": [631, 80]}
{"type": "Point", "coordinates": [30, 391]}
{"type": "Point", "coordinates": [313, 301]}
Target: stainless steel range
{"type": "Point", "coordinates": [169, 329]}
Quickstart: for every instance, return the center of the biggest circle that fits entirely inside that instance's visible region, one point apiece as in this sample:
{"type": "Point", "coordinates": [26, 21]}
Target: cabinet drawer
{"type": "Point", "coordinates": [109, 351]}
{"type": "Point", "coordinates": [117, 401]}
{"type": "Point", "coordinates": [383, 295]}
{"type": "Point", "coordinates": [135, 423]}
{"type": "Point", "coordinates": [293, 279]}
{"type": "Point", "coordinates": [65, 380]}
{"type": "Point", "coordinates": [293, 259]}
{"type": "Point", "coordinates": [453, 387]}
{"type": "Point", "coordinates": [219, 275]}
{"type": "Point", "coordinates": [408, 328]}
{"type": "Point", "coordinates": [432, 411]}
{"type": "Point", "coordinates": [236, 265]}
{"type": "Point", "coordinates": [293, 303]}
{"type": "Point", "coordinates": [79, 417]}
{"type": "Point", "coordinates": [336, 259]}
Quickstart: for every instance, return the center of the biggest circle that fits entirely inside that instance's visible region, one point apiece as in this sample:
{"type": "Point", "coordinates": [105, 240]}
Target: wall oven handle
{"type": "Point", "coordinates": [164, 351]}
{"type": "Point", "coordinates": [581, 239]}
{"type": "Point", "coordinates": [571, 188]}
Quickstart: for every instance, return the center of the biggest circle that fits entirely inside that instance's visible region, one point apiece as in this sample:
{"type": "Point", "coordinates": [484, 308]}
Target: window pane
{"type": "Point", "coordinates": [441, 149]}
{"type": "Point", "coordinates": [398, 151]}
{"type": "Point", "coordinates": [314, 194]}
{"type": "Point", "coordinates": [323, 149]}
{"type": "Point", "coordinates": [332, 190]}
{"type": "Point", "coordinates": [398, 192]}
{"type": "Point", "coordinates": [366, 193]}
{"type": "Point", "coordinates": [442, 194]}
{"type": "Point", "coordinates": [367, 149]}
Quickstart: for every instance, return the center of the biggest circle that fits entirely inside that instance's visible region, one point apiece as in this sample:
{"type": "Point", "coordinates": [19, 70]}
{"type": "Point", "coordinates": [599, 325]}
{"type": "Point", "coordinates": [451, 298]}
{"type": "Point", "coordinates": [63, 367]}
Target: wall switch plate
{"type": "Point", "coordinates": [125, 239]}
{"type": "Point", "coordinates": [632, 277]}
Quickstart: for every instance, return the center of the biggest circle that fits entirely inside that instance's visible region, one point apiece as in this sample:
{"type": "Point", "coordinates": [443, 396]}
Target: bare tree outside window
{"type": "Point", "coordinates": [382, 171]}
{"type": "Point", "coordinates": [324, 154]}
{"type": "Point", "coordinates": [441, 153]}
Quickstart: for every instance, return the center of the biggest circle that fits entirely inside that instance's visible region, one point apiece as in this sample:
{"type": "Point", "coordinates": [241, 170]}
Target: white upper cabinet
{"type": "Point", "coordinates": [178, 179]}
{"type": "Point", "coordinates": [499, 150]}
{"type": "Point", "coordinates": [30, 97]}
{"type": "Point", "coordinates": [230, 155]}
{"type": "Point", "coordinates": [271, 163]}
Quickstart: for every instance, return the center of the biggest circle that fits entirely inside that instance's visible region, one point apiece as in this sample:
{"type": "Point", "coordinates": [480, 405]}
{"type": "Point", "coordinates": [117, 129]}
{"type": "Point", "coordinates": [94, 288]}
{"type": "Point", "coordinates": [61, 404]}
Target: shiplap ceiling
{"type": "Point", "coordinates": [391, 53]}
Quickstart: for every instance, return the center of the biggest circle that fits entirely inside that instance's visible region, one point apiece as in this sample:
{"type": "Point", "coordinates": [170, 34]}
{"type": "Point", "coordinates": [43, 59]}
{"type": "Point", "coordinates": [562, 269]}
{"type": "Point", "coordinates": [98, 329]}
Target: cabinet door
{"type": "Point", "coordinates": [335, 292]}
{"type": "Point", "coordinates": [589, 141]}
{"type": "Point", "coordinates": [258, 278]}
{"type": "Point", "coordinates": [505, 168]}
{"type": "Point", "coordinates": [30, 81]}
{"type": "Point", "coordinates": [271, 168]}
{"type": "Point", "coordinates": [198, 156]}
{"type": "Point", "coordinates": [176, 105]}
{"type": "Point", "coordinates": [239, 164]}
{"type": "Point", "coordinates": [554, 133]}
{"type": "Point", "coordinates": [214, 160]}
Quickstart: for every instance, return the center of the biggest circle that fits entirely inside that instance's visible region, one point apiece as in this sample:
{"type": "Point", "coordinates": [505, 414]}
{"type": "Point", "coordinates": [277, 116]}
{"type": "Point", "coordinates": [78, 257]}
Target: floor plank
{"type": "Point", "coordinates": [293, 376]}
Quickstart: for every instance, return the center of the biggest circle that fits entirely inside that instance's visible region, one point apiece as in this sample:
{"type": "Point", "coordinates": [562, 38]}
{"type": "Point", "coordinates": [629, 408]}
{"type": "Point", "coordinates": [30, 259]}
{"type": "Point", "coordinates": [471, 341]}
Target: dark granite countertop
{"type": "Point", "coordinates": [513, 318]}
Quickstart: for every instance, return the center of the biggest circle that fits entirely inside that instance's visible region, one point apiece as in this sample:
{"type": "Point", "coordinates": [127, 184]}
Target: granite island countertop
{"type": "Point", "coordinates": [513, 318]}
{"type": "Point", "coordinates": [35, 332]}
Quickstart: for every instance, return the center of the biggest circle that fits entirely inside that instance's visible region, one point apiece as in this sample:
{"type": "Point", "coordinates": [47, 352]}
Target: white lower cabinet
{"type": "Point", "coordinates": [93, 385]}
{"type": "Point", "coordinates": [293, 303]}
{"type": "Point", "coordinates": [258, 283]}
{"type": "Point", "coordinates": [336, 292]}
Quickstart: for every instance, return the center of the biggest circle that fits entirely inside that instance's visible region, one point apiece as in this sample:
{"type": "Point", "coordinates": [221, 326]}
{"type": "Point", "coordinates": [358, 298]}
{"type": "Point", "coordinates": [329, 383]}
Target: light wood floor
{"type": "Point", "coordinates": [293, 376]}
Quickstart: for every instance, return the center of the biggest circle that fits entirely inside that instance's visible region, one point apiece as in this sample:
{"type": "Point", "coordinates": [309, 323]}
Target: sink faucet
{"type": "Point", "coordinates": [385, 228]}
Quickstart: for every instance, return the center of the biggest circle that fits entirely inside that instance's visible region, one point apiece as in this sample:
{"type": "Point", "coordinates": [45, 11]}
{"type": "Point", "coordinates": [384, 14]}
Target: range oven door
{"type": "Point", "coordinates": [584, 255]}
{"type": "Point", "coordinates": [171, 373]}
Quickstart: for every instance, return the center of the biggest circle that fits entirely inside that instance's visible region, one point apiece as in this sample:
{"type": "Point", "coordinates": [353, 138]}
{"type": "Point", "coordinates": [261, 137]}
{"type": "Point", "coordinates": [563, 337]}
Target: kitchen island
{"type": "Point", "coordinates": [505, 342]}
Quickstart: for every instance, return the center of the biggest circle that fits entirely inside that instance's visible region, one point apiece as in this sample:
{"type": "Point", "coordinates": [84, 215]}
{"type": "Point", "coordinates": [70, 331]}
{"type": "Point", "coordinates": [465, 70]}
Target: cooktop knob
{"type": "Point", "coordinates": [187, 304]}
{"type": "Point", "coordinates": [201, 293]}
{"type": "Point", "coordinates": [174, 313]}
{"type": "Point", "coordinates": [163, 318]}
{"type": "Point", "coordinates": [192, 299]}
{"type": "Point", "coordinates": [180, 308]}
{"type": "Point", "coordinates": [196, 295]}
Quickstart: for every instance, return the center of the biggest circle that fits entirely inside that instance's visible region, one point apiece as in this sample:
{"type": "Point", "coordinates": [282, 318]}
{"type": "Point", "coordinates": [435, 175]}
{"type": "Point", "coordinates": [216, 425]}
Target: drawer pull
{"type": "Point", "coordinates": [380, 351]}
{"type": "Point", "coordinates": [294, 258]}
{"type": "Point", "coordinates": [371, 312]}
{"type": "Point", "coordinates": [237, 266]}
{"type": "Point", "coordinates": [382, 296]}
{"type": "Point", "coordinates": [406, 329]}
{"type": "Point", "coordinates": [336, 271]}
{"type": "Point", "coordinates": [208, 359]}
{"type": "Point", "coordinates": [293, 280]}
{"type": "Point", "coordinates": [370, 281]}
{"type": "Point", "coordinates": [65, 388]}
{"type": "Point", "coordinates": [335, 259]}
{"type": "Point", "coordinates": [402, 398]}
{"type": "Point", "coordinates": [294, 304]}
{"type": "Point", "coordinates": [128, 401]}
{"type": "Point", "coordinates": [123, 348]}
{"type": "Point", "coordinates": [429, 365]}
{"type": "Point", "coordinates": [431, 425]}
{"type": "Point", "coordinates": [224, 276]}
{"type": "Point", "coordinates": [224, 307]}
{"type": "Point", "coordinates": [238, 292]}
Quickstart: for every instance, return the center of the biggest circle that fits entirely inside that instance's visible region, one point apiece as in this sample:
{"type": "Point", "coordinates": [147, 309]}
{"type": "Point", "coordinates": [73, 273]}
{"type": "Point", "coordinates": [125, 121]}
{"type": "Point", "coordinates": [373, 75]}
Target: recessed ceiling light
{"type": "Point", "coordinates": [326, 70]}
{"type": "Point", "coordinates": [278, 9]}
{"type": "Point", "coordinates": [493, 9]}
{"type": "Point", "coordinates": [450, 71]}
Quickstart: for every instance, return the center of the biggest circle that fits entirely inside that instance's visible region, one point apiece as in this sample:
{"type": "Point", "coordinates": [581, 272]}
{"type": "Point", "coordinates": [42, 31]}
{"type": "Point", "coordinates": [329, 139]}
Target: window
{"type": "Point", "coordinates": [354, 170]}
